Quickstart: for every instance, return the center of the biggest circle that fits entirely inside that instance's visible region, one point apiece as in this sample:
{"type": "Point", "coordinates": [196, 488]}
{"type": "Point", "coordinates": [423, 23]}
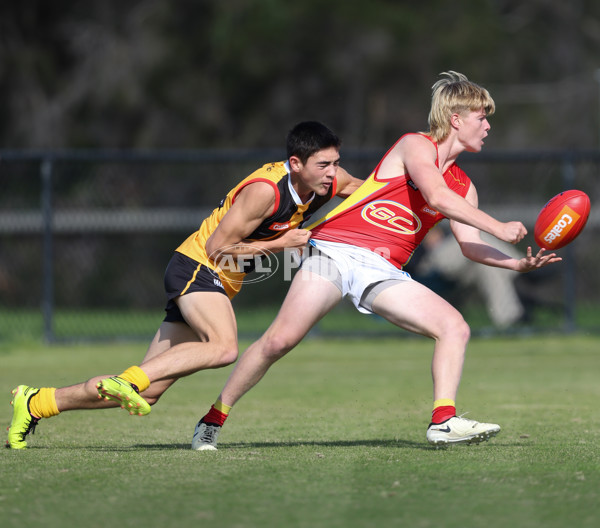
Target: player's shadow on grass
{"type": "Point", "coordinates": [242, 446]}
{"type": "Point", "coordinates": [403, 444]}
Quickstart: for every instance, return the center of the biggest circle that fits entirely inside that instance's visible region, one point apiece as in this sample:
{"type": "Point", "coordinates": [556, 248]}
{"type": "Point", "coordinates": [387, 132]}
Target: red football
{"type": "Point", "coordinates": [561, 219]}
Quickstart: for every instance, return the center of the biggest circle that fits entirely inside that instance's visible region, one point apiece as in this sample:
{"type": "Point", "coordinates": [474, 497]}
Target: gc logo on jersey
{"type": "Point", "coordinates": [392, 216]}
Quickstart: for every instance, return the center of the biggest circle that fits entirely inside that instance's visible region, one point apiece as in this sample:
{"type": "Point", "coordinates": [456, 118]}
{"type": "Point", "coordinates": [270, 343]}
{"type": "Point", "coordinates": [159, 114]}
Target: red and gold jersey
{"type": "Point", "coordinates": [390, 217]}
{"type": "Point", "coordinates": [287, 214]}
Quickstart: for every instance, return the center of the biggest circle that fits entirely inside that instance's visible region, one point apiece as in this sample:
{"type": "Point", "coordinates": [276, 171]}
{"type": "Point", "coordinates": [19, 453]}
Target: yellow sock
{"type": "Point", "coordinates": [444, 402]}
{"type": "Point", "coordinates": [43, 404]}
{"type": "Point", "coordinates": [222, 407]}
{"type": "Point", "coordinates": [136, 376]}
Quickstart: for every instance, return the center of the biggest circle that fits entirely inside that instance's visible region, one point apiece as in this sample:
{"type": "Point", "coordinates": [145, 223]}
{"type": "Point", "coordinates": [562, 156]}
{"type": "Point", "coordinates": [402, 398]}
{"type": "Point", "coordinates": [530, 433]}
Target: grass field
{"type": "Point", "coordinates": [334, 436]}
{"type": "Point", "coordinates": [97, 324]}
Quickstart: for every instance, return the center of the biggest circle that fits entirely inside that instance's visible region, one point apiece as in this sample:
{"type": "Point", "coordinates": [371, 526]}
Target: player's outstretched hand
{"type": "Point", "coordinates": [540, 260]}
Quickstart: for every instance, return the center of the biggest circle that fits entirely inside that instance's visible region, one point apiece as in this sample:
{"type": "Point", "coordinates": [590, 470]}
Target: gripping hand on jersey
{"type": "Point", "coordinates": [294, 239]}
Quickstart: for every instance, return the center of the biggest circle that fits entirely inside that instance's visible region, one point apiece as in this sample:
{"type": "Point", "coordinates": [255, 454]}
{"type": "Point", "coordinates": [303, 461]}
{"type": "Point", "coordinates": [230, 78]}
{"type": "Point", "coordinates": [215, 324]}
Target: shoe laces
{"type": "Point", "coordinates": [30, 427]}
{"type": "Point", "coordinates": [460, 416]}
{"type": "Point", "coordinates": [209, 433]}
{"type": "Point", "coordinates": [33, 421]}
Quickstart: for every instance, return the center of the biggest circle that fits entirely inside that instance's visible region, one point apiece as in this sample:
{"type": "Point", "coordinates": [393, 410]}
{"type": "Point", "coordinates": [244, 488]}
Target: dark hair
{"type": "Point", "coordinates": [309, 137]}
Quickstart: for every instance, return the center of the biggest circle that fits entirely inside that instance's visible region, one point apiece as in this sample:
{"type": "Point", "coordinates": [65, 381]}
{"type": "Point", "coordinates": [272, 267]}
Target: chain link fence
{"type": "Point", "coordinates": [85, 237]}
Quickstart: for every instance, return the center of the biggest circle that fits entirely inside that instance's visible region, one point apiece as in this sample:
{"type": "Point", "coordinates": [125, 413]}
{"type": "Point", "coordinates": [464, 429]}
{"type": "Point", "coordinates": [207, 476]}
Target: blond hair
{"type": "Point", "coordinates": [455, 94]}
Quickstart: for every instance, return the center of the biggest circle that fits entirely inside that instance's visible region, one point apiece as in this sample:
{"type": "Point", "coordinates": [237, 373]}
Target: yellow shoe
{"type": "Point", "coordinates": [125, 394]}
{"type": "Point", "coordinates": [23, 422]}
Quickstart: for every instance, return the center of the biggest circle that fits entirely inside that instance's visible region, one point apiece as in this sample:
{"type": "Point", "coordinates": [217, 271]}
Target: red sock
{"type": "Point", "coordinates": [443, 413]}
{"type": "Point", "coordinates": [215, 417]}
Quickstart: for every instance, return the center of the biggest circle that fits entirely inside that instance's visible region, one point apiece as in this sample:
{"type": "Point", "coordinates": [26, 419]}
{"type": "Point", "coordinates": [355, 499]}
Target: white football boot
{"type": "Point", "coordinates": [459, 430]}
{"type": "Point", "coordinates": [205, 437]}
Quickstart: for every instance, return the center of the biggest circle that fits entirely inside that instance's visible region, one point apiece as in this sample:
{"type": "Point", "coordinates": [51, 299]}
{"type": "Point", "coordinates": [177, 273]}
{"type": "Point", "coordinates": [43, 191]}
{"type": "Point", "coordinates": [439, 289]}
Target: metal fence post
{"type": "Point", "coordinates": [568, 177]}
{"type": "Point", "coordinates": [48, 251]}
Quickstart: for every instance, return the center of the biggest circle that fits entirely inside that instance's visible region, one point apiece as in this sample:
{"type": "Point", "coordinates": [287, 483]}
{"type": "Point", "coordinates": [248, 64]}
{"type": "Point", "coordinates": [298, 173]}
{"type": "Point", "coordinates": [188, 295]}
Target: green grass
{"type": "Point", "coordinates": [332, 437]}
{"type": "Point", "coordinates": [96, 324]}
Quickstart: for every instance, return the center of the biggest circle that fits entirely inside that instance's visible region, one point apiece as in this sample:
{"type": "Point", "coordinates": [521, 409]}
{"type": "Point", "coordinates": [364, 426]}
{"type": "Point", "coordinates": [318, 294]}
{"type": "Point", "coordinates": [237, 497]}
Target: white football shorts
{"type": "Point", "coordinates": [360, 274]}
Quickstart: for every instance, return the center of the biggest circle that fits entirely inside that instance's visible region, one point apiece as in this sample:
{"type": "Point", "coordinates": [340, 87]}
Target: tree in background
{"type": "Point", "coordinates": [210, 73]}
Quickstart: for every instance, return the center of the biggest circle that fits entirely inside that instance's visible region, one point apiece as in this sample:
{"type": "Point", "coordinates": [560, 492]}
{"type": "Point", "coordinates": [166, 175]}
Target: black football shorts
{"type": "Point", "coordinates": [185, 275]}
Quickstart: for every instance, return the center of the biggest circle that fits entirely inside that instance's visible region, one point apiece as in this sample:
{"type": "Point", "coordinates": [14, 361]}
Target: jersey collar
{"type": "Point", "coordinates": [293, 192]}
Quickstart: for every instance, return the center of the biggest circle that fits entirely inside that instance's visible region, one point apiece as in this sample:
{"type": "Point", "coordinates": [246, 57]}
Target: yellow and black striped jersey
{"type": "Point", "coordinates": [288, 213]}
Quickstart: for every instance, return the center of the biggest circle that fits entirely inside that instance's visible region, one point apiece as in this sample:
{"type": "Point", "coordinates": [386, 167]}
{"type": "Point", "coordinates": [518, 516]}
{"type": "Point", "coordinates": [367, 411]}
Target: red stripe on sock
{"type": "Point", "coordinates": [215, 417]}
{"type": "Point", "coordinates": [443, 413]}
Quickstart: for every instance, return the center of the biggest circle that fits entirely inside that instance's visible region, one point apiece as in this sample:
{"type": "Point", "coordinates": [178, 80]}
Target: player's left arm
{"type": "Point", "coordinates": [346, 183]}
{"type": "Point", "coordinates": [476, 249]}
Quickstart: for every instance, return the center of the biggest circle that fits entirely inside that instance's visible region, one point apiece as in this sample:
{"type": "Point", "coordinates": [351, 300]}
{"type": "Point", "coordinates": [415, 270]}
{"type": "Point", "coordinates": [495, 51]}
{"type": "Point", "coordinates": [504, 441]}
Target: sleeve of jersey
{"type": "Point", "coordinates": [250, 180]}
{"type": "Point", "coordinates": [459, 181]}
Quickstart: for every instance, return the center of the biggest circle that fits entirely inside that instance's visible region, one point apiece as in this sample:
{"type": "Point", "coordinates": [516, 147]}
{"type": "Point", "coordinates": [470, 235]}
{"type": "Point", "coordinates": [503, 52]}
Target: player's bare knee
{"type": "Point", "coordinates": [456, 329]}
{"type": "Point", "coordinates": [276, 346]}
{"type": "Point", "coordinates": [226, 354]}
{"type": "Point", "coordinates": [154, 392]}
{"type": "Point", "coordinates": [91, 386]}
{"type": "Point", "coordinates": [460, 329]}
{"type": "Point", "coordinates": [151, 399]}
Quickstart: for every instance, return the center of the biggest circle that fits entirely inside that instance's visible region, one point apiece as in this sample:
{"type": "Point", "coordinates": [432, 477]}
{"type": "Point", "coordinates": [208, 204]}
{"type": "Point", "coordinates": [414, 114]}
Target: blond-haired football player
{"type": "Point", "coordinates": [359, 249]}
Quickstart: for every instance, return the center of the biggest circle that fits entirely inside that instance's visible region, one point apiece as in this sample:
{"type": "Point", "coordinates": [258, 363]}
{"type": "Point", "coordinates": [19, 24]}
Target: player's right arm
{"type": "Point", "coordinates": [477, 250]}
{"type": "Point", "coordinates": [346, 183]}
{"type": "Point", "coordinates": [417, 156]}
{"type": "Point", "coordinates": [253, 204]}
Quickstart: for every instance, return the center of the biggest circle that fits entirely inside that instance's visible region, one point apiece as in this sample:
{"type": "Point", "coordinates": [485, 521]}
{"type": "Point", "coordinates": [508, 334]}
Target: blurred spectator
{"type": "Point", "coordinates": [442, 265]}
